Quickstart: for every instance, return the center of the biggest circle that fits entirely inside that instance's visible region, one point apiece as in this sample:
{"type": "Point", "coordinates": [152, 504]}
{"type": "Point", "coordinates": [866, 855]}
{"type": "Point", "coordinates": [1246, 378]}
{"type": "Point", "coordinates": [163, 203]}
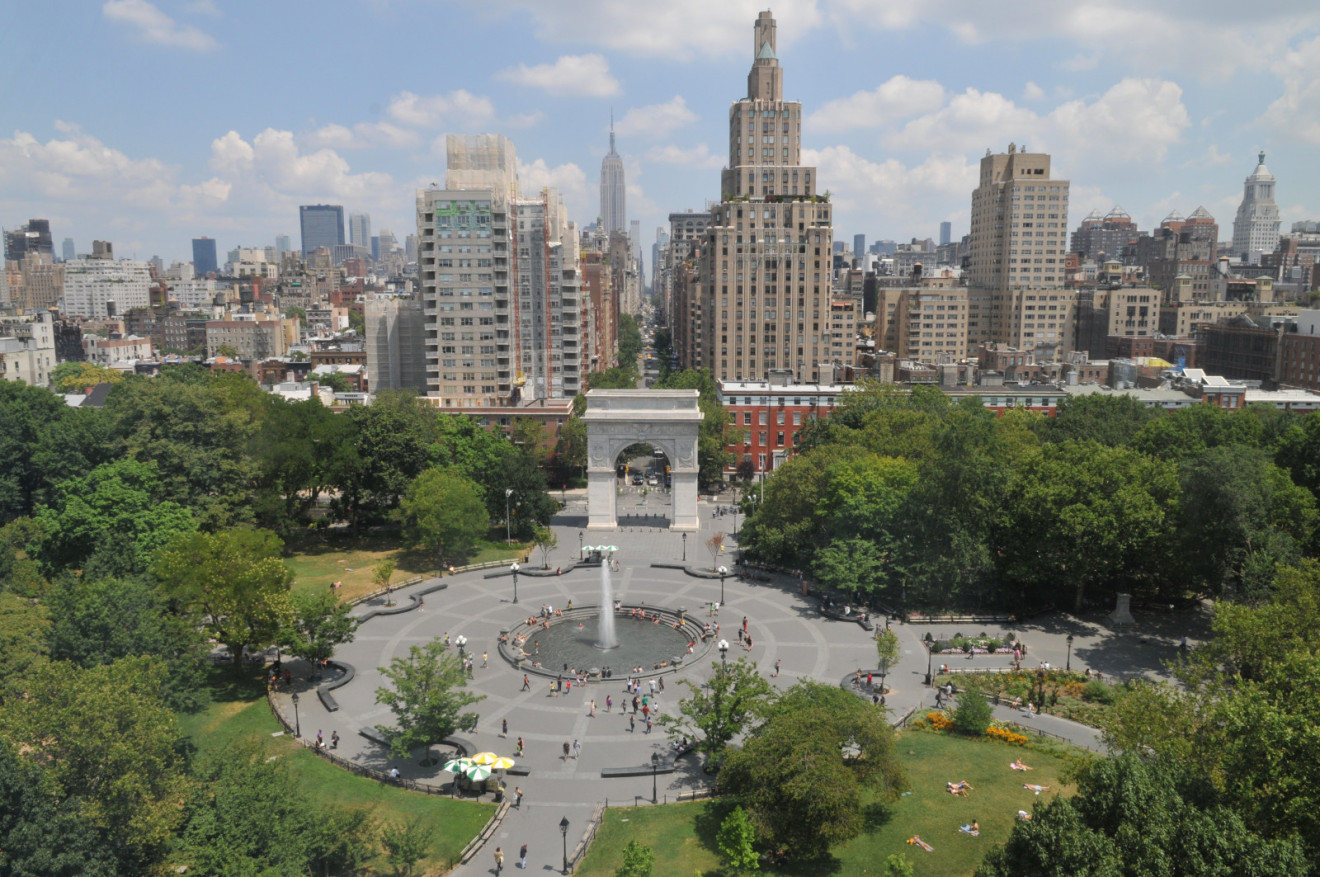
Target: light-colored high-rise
{"type": "Point", "coordinates": [613, 199]}
{"type": "Point", "coordinates": [98, 288]}
{"type": "Point", "coordinates": [1256, 227]}
{"type": "Point", "coordinates": [1019, 234]}
{"type": "Point", "coordinates": [359, 229]}
{"type": "Point", "coordinates": [764, 285]}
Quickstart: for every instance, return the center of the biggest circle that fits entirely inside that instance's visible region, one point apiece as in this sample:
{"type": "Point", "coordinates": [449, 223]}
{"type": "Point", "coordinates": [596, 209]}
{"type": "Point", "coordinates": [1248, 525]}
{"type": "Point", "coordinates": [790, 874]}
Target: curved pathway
{"type": "Point", "coordinates": [783, 625]}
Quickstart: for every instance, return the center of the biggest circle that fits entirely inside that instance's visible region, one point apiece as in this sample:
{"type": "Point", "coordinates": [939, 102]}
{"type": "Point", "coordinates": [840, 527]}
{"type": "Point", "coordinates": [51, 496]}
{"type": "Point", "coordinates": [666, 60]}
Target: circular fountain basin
{"type": "Point", "coordinates": [641, 644]}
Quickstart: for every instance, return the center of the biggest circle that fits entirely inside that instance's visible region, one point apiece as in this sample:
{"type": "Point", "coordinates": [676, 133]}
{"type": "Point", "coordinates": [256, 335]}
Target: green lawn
{"type": "Point", "coordinates": [239, 711]}
{"type": "Point", "coordinates": [316, 565]}
{"type": "Point", "coordinates": [683, 835]}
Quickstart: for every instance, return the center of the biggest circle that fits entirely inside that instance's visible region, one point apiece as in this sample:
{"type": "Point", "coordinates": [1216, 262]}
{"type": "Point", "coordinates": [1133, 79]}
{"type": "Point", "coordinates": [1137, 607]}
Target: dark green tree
{"type": "Point", "coordinates": [1109, 420]}
{"type": "Point", "coordinates": [406, 843]}
{"type": "Point", "coordinates": [737, 843]}
{"type": "Point", "coordinates": [638, 861]}
{"type": "Point", "coordinates": [734, 700]}
{"type": "Point", "coordinates": [319, 623]}
{"type": "Point", "coordinates": [444, 511]}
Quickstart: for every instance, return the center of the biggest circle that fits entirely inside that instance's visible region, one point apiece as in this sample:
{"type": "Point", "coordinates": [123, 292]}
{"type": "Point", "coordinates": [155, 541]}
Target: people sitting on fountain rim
{"type": "Point", "coordinates": [618, 604]}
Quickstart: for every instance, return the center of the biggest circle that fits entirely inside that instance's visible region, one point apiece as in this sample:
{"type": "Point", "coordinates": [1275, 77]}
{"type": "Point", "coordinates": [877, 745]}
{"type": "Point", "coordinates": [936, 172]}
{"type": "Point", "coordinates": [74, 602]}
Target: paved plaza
{"type": "Point", "coordinates": [784, 626]}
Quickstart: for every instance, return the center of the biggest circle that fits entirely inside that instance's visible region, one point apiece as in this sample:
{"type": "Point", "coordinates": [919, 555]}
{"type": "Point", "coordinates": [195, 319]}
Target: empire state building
{"type": "Point", "coordinates": [613, 203]}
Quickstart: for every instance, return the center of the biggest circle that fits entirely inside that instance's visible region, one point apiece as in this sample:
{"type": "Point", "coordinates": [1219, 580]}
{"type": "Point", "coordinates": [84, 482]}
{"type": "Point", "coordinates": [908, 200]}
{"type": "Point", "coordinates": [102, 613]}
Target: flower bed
{"type": "Point", "coordinates": [983, 644]}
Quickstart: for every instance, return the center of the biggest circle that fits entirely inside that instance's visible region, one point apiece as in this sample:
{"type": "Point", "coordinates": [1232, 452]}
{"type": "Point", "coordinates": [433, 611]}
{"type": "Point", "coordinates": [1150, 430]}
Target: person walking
{"type": "Point", "coordinates": [499, 860]}
{"type": "Point", "coordinates": [609, 702]}
{"type": "Point", "coordinates": [522, 857]}
{"type": "Point", "coordinates": [527, 683]}
{"type": "Point", "coordinates": [334, 739]}
{"type": "Point", "coordinates": [517, 797]}
{"type": "Point", "coordinates": [483, 660]}
{"type": "Point", "coordinates": [632, 722]}
{"type": "Point", "coordinates": [520, 747]}
{"type": "Point", "coordinates": [592, 714]}
{"type": "Point", "coordinates": [776, 673]}
{"type": "Point", "coordinates": [504, 727]}
{"type": "Point", "coordinates": [577, 749]}
{"type": "Point", "coordinates": [565, 750]}
{"type": "Point", "coordinates": [648, 724]}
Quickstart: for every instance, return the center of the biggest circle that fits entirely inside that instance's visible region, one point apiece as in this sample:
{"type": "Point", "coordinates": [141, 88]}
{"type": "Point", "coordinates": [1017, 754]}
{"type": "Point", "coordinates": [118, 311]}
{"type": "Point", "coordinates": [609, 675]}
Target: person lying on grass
{"type": "Point", "coordinates": [1018, 765]}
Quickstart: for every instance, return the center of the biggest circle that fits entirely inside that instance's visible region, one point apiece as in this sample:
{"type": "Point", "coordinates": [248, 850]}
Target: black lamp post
{"type": "Point", "coordinates": [724, 651]}
{"type": "Point", "coordinates": [579, 544]}
{"type": "Point", "coordinates": [685, 547]}
{"type": "Point", "coordinates": [930, 656]}
{"type": "Point", "coordinates": [563, 830]}
{"type": "Point", "coordinates": [724, 570]}
{"type": "Point", "coordinates": [655, 766]}
{"type": "Point", "coordinates": [508, 524]}
{"type": "Point", "coordinates": [515, 582]}
{"type": "Point", "coordinates": [1068, 667]}
{"type": "Point", "coordinates": [297, 725]}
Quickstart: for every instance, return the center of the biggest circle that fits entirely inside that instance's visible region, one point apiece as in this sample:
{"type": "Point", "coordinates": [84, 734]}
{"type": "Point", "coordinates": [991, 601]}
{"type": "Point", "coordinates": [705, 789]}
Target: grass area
{"type": "Point", "coordinates": [317, 564]}
{"type": "Point", "coordinates": [683, 835]}
{"type": "Point", "coordinates": [238, 711]}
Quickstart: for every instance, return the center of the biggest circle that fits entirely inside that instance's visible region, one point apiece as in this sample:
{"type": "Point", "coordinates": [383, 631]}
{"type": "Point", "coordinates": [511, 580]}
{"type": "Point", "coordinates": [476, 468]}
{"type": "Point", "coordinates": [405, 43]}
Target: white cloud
{"type": "Point", "coordinates": [154, 26]}
{"type": "Point", "coordinates": [457, 108]}
{"type": "Point", "coordinates": [898, 98]}
{"type": "Point", "coordinates": [680, 30]}
{"type": "Point", "coordinates": [1212, 157]}
{"type": "Point", "coordinates": [203, 7]}
{"type": "Point", "coordinates": [82, 167]}
{"type": "Point", "coordinates": [363, 135]}
{"type": "Point", "coordinates": [1136, 119]}
{"type": "Point", "coordinates": [1296, 112]}
{"type": "Point", "coordinates": [569, 76]}
{"type": "Point", "coordinates": [569, 179]}
{"type": "Point", "coordinates": [1033, 92]}
{"type": "Point", "coordinates": [657, 120]}
{"type": "Point", "coordinates": [698, 156]}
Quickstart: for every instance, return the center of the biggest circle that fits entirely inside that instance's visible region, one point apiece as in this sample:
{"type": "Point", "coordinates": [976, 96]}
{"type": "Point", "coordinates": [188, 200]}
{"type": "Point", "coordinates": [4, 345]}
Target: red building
{"type": "Point", "coordinates": [770, 415]}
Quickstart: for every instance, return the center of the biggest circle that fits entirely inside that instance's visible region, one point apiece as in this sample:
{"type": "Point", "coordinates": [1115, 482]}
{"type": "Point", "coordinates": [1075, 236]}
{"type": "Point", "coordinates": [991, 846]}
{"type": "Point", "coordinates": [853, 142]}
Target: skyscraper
{"type": "Point", "coordinates": [1256, 228]}
{"type": "Point", "coordinates": [359, 229]}
{"type": "Point", "coordinates": [613, 203]}
{"type": "Point", "coordinates": [1016, 292]}
{"type": "Point", "coordinates": [322, 226]}
{"type": "Point", "coordinates": [70, 252]}
{"type": "Point", "coordinates": [205, 260]}
{"type": "Point", "coordinates": [946, 233]}
{"type": "Point", "coordinates": [34, 237]}
{"type": "Point", "coordinates": [282, 246]}
{"type": "Point", "coordinates": [764, 277]}
{"type": "Point", "coordinates": [859, 247]}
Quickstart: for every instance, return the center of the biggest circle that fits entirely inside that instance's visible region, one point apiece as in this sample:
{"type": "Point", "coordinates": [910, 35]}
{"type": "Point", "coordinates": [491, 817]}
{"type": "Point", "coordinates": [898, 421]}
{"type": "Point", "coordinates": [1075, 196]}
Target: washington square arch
{"type": "Point", "coordinates": [667, 420]}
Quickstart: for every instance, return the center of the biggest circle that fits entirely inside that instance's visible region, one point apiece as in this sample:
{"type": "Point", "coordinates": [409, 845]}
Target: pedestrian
{"type": "Point", "coordinates": [593, 709]}
{"type": "Point", "coordinates": [475, 719]}
{"type": "Point", "coordinates": [565, 750]}
{"type": "Point", "coordinates": [648, 724]}
{"type": "Point", "coordinates": [568, 686]}
{"type": "Point", "coordinates": [577, 749]}
{"type": "Point", "coordinates": [637, 703]}
{"type": "Point", "coordinates": [334, 739]}
{"type": "Point", "coordinates": [868, 681]}
{"type": "Point", "coordinates": [522, 856]}
{"type": "Point", "coordinates": [632, 723]}
{"type": "Point", "coordinates": [744, 624]}
{"type": "Point", "coordinates": [499, 860]}
{"type": "Point", "coordinates": [527, 683]}
{"type": "Point", "coordinates": [776, 673]}
{"type": "Point", "coordinates": [517, 797]}
{"type": "Point", "coordinates": [320, 741]}
{"type": "Point", "coordinates": [483, 660]}
{"type": "Point", "coordinates": [652, 681]}
{"type": "Point", "coordinates": [662, 683]}
{"type": "Point", "coordinates": [504, 727]}
{"type": "Point", "coordinates": [716, 607]}
{"type": "Point", "coordinates": [520, 747]}
{"type": "Point", "coordinates": [646, 711]}
{"type": "Point", "coordinates": [609, 702]}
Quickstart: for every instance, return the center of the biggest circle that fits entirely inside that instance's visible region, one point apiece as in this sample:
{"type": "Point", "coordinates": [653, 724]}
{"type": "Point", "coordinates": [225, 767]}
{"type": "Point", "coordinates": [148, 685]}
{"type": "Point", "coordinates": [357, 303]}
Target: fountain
{"type": "Point", "coordinates": [606, 638]}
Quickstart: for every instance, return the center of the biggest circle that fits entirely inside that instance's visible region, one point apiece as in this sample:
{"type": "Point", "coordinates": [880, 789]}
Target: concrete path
{"type": "Point", "coordinates": [783, 624]}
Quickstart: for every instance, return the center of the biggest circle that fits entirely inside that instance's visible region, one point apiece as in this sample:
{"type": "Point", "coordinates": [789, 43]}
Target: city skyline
{"type": "Point", "coordinates": [1155, 110]}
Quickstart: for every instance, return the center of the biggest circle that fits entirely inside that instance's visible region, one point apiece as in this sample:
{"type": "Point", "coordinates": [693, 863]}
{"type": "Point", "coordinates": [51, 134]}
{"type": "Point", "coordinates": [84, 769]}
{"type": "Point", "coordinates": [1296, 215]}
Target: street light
{"type": "Point", "coordinates": [930, 656]}
{"type": "Point", "coordinates": [724, 651]}
{"type": "Point", "coordinates": [1068, 668]}
{"type": "Point", "coordinates": [579, 544]}
{"type": "Point", "coordinates": [508, 530]}
{"type": "Point", "coordinates": [724, 571]}
{"type": "Point", "coordinates": [685, 547]}
{"type": "Point", "coordinates": [515, 582]}
{"type": "Point", "coordinates": [461, 642]}
{"type": "Point", "coordinates": [297, 725]}
{"type": "Point", "coordinates": [655, 765]}
{"type": "Point", "coordinates": [563, 829]}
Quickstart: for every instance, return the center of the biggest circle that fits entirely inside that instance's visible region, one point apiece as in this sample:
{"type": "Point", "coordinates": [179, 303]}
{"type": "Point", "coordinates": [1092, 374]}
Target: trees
{"type": "Point", "coordinates": [571, 449]}
{"type": "Point", "coordinates": [234, 582]}
{"type": "Point", "coordinates": [545, 539]}
{"type": "Point", "coordinates": [1133, 816]}
{"type": "Point", "coordinates": [714, 435]}
{"type": "Point", "coordinates": [715, 545]}
{"type": "Point", "coordinates": [1084, 515]}
{"type": "Point", "coordinates": [427, 698]}
{"type": "Point", "coordinates": [886, 652]}
{"type": "Point", "coordinates": [112, 520]}
{"type": "Point", "coordinates": [105, 738]}
{"type": "Point", "coordinates": [638, 861]}
{"type": "Point", "coordinates": [734, 699]}
{"type": "Point", "coordinates": [406, 843]}
{"type": "Point", "coordinates": [973, 714]}
{"type": "Point", "coordinates": [319, 622]}
{"type": "Point", "coordinates": [736, 840]}
{"type": "Point", "coordinates": [77, 377]}
{"type": "Point", "coordinates": [443, 509]}
{"type": "Point", "coordinates": [27, 414]}
{"type": "Point", "coordinates": [800, 775]}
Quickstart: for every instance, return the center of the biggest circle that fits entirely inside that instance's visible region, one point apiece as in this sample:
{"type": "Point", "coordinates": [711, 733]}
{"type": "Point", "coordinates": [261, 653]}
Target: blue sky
{"type": "Point", "coordinates": [149, 123]}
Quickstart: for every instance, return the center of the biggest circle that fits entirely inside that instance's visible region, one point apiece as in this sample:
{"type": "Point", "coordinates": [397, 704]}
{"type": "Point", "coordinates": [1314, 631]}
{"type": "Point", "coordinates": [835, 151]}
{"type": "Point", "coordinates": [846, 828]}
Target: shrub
{"type": "Point", "coordinates": [928, 638]}
{"type": "Point", "coordinates": [993, 644]}
{"type": "Point", "coordinates": [938, 721]}
{"type": "Point", "coordinates": [1004, 735]}
{"type": "Point", "coordinates": [1099, 692]}
{"type": "Point", "coordinates": [972, 716]}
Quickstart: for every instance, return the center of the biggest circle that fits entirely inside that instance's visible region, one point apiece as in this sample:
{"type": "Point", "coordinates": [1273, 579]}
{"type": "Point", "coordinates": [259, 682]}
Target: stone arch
{"type": "Point", "coordinates": [665, 419]}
